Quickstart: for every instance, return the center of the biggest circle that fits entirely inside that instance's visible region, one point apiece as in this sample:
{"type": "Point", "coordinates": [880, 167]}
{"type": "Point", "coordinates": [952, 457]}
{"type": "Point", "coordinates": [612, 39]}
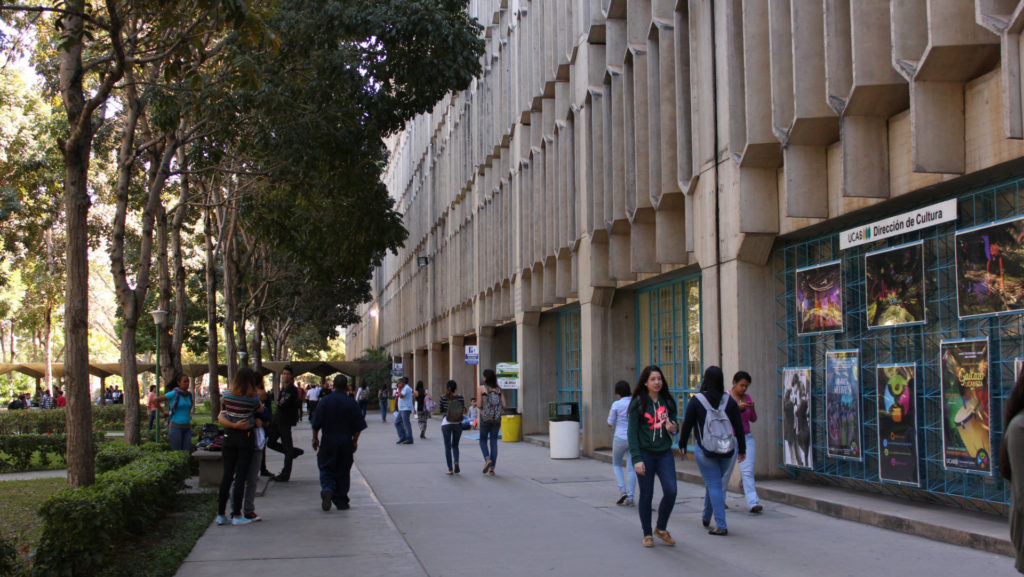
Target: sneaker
{"type": "Point", "coordinates": [266, 473]}
{"type": "Point", "coordinates": [252, 516]}
{"type": "Point", "coordinates": [719, 532]}
{"type": "Point", "coordinates": [400, 442]}
{"type": "Point", "coordinates": [297, 452]}
{"type": "Point", "coordinates": [666, 537]}
{"type": "Point", "coordinates": [629, 502]}
{"type": "Point", "coordinates": [756, 509]}
{"type": "Point", "coordinates": [423, 434]}
{"type": "Point", "coordinates": [325, 502]}
{"type": "Point", "coordinates": [622, 499]}
{"type": "Point", "coordinates": [281, 479]}
{"type": "Point", "coordinates": [705, 522]}
{"type": "Point", "coordinates": [240, 521]}
{"type": "Point", "coordinates": [487, 465]}
{"type": "Point", "coordinates": [491, 472]}
{"type": "Point", "coordinates": [648, 541]}
{"type": "Point", "coordinates": [344, 506]}
{"type": "Point", "coordinates": [222, 520]}
{"type": "Point", "coordinates": [457, 468]}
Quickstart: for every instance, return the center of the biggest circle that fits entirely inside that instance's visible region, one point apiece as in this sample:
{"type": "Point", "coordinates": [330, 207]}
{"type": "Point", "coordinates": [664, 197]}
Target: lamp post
{"type": "Point", "coordinates": [159, 317]}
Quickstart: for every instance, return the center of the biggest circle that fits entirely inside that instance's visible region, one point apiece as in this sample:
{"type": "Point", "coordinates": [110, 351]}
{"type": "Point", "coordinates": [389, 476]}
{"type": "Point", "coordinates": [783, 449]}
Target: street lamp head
{"type": "Point", "coordinates": [373, 312]}
{"type": "Point", "coordinates": [159, 317]}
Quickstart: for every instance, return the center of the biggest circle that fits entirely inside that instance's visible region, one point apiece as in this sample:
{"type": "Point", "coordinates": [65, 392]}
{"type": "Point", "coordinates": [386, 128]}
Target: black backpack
{"type": "Point", "coordinates": [456, 408]}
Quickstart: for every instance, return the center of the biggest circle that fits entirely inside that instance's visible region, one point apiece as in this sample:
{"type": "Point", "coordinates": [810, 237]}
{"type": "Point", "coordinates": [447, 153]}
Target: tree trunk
{"type": "Point", "coordinates": [230, 299]}
{"type": "Point", "coordinates": [130, 377]}
{"type": "Point", "coordinates": [211, 317]}
{"type": "Point", "coordinates": [168, 361]}
{"type": "Point", "coordinates": [48, 315]}
{"type": "Point", "coordinates": [180, 297]}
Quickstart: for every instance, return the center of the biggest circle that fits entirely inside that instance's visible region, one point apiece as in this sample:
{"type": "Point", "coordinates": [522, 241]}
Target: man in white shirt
{"type": "Point", "coordinates": [312, 398]}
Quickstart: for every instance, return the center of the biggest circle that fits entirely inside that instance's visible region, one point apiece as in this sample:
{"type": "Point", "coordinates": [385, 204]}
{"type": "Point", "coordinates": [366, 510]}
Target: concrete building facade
{"type": "Point", "coordinates": [633, 182]}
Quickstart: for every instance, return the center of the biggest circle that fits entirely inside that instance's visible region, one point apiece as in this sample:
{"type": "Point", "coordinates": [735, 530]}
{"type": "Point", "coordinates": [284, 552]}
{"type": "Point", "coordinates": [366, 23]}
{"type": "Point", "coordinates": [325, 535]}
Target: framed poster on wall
{"type": "Point", "coordinates": [897, 423]}
{"type": "Point", "coordinates": [796, 418]}
{"type": "Point", "coordinates": [966, 422]}
{"type": "Point", "coordinates": [819, 299]}
{"type": "Point", "coordinates": [990, 269]}
{"type": "Point", "coordinates": [842, 404]}
{"type": "Point", "coordinates": [894, 286]}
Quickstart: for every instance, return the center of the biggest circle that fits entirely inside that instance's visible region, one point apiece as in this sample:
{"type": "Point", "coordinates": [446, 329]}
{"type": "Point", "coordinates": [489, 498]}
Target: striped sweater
{"type": "Point", "coordinates": [237, 408]}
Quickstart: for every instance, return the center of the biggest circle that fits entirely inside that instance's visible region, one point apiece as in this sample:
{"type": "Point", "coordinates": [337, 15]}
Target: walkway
{"type": "Point", "coordinates": [536, 517]}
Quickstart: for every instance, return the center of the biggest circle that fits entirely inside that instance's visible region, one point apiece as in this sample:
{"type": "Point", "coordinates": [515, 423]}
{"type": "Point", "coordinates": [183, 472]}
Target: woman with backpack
{"type": "Point", "coordinates": [714, 418]}
{"type": "Point", "coordinates": [651, 427]}
{"type": "Point", "coordinates": [453, 407]}
{"type": "Point", "coordinates": [492, 405]}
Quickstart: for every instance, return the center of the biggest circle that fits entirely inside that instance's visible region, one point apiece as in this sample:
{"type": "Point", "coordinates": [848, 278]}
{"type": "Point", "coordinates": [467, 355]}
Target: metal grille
{"type": "Point", "coordinates": [570, 387]}
{"type": "Point", "coordinates": [917, 344]}
{"type": "Point", "coordinates": [669, 335]}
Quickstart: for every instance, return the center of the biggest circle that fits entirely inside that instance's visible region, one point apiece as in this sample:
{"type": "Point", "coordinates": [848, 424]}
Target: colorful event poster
{"type": "Point", "coordinates": [965, 405]}
{"type": "Point", "coordinates": [819, 299]}
{"type": "Point", "coordinates": [990, 269]}
{"type": "Point", "coordinates": [897, 423]}
{"type": "Point", "coordinates": [796, 417]}
{"type": "Point", "coordinates": [842, 404]}
{"type": "Point", "coordinates": [894, 283]}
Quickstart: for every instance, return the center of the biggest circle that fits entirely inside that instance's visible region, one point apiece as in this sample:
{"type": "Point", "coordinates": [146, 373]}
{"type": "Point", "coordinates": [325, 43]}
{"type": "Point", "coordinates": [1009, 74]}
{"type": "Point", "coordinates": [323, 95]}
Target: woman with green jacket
{"type": "Point", "coordinates": [652, 426]}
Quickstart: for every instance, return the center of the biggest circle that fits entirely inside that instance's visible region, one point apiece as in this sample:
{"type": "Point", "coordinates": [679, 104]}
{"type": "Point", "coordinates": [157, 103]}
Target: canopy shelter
{"type": "Point", "coordinates": [326, 368]}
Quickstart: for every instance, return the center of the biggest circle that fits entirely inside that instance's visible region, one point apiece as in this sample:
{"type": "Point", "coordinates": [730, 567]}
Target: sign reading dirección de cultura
{"type": "Point", "coordinates": [928, 216]}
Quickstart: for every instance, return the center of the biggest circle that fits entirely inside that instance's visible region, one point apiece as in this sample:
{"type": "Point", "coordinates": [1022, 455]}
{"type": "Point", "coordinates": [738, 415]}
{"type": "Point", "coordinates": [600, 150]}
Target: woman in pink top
{"type": "Point", "coordinates": [748, 415]}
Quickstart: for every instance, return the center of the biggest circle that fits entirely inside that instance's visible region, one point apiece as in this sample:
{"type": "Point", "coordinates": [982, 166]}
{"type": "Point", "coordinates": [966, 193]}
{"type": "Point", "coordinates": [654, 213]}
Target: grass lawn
{"type": "Point", "coordinates": [19, 524]}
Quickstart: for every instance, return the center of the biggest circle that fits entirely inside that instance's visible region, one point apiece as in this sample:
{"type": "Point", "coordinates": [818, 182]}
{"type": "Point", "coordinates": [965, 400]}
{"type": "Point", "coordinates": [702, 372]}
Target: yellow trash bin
{"type": "Point", "coordinates": [510, 425]}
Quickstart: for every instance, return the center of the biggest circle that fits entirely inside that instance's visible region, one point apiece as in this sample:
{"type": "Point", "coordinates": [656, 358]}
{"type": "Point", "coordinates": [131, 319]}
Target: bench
{"type": "Point", "coordinates": [211, 468]}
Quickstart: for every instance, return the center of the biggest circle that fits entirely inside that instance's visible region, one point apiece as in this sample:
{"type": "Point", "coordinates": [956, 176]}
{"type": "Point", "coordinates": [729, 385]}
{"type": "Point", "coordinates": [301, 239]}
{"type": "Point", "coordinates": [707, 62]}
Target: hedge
{"type": "Point", "coordinates": [52, 421]}
{"type": "Point", "coordinates": [116, 455]}
{"type": "Point", "coordinates": [20, 448]}
{"type": "Point", "coordinates": [9, 562]}
{"type": "Point", "coordinates": [84, 526]}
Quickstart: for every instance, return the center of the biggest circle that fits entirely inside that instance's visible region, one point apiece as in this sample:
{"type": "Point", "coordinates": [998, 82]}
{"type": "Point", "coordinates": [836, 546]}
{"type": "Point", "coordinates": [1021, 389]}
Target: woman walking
{"type": "Point", "coordinates": [618, 418]}
{"type": "Point", "coordinates": [492, 405]}
{"type": "Point", "coordinates": [453, 407]}
{"type": "Point", "coordinates": [362, 398]}
{"type": "Point", "coordinates": [422, 415]}
{"type": "Point", "coordinates": [652, 424]}
{"type": "Point", "coordinates": [240, 406]}
{"type": "Point", "coordinates": [706, 413]}
{"type": "Point", "coordinates": [1011, 465]}
{"type": "Point", "coordinates": [382, 400]}
{"type": "Point", "coordinates": [748, 415]}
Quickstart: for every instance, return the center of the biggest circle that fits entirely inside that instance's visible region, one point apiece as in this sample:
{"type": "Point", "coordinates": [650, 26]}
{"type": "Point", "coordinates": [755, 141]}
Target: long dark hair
{"type": "Point", "coordinates": [641, 394]}
{"type": "Point", "coordinates": [244, 383]}
{"type": "Point", "coordinates": [490, 379]}
{"type": "Point", "coordinates": [713, 385]}
{"type": "Point", "coordinates": [451, 386]}
{"type": "Point", "coordinates": [1013, 405]}
{"type": "Point", "coordinates": [172, 384]}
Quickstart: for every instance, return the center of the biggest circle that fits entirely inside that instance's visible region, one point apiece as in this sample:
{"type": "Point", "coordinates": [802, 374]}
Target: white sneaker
{"type": "Point", "coordinates": [222, 520]}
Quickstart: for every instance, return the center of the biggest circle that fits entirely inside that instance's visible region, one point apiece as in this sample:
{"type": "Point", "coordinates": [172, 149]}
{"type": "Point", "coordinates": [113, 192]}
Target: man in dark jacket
{"type": "Point", "coordinates": [285, 418]}
{"type": "Point", "coordinates": [341, 421]}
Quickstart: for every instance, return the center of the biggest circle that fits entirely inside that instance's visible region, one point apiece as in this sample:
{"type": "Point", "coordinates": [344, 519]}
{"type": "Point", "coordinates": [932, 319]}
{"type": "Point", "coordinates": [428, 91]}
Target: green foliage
{"type": "Point", "coordinates": [53, 421]}
{"type": "Point", "coordinates": [9, 563]}
{"type": "Point", "coordinates": [83, 526]}
{"type": "Point", "coordinates": [19, 449]}
{"type": "Point", "coordinates": [116, 455]}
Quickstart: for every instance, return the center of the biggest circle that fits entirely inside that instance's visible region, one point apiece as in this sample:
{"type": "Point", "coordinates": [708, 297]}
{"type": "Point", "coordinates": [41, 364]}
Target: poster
{"type": "Point", "coordinates": [897, 423]}
{"type": "Point", "coordinates": [990, 269]}
{"type": "Point", "coordinates": [796, 417]}
{"type": "Point", "coordinates": [965, 405]}
{"type": "Point", "coordinates": [842, 404]}
{"type": "Point", "coordinates": [819, 299]}
{"type": "Point", "coordinates": [894, 285]}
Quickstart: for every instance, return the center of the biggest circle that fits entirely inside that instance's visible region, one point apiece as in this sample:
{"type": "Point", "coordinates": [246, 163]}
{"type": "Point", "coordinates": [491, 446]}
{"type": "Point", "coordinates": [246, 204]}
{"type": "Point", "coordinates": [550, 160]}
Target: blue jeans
{"type": "Point", "coordinates": [620, 451]}
{"type": "Point", "coordinates": [747, 473]}
{"type": "Point", "coordinates": [404, 426]}
{"type": "Point", "coordinates": [152, 417]}
{"type": "Point", "coordinates": [451, 434]}
{"type": "Point", "coordinates": [662, 465]}
{"type": "Point", "coordinates": [713, 468]}
{"type": "Point", "coordinates": [489, 432]}
{"type": "Point", "coordinates": [181, 438]}
{"type": "Point", "coordinates": [384, 412]}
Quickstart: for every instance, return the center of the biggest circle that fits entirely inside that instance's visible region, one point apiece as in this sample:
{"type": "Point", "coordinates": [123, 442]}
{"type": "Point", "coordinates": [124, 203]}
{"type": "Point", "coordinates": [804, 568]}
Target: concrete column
{"type": "Point", "coordinates": [595, 369]}
{"type": "Point", "coordinates": [437, 373]}
{"type": "Point", "coordinates": [751, 352]}
{"type": "Point", "coordinates": [528, 345]}
{"type": "Point", "coordinates": [485, 342]}
{"type": "Point", "coordinates": [463, 374]}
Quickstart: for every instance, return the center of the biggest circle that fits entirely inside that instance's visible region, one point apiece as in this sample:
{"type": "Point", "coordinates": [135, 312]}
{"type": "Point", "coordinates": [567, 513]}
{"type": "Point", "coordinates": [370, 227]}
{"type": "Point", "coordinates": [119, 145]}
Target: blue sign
{"type": "Point", "coordinates": [472, 355]}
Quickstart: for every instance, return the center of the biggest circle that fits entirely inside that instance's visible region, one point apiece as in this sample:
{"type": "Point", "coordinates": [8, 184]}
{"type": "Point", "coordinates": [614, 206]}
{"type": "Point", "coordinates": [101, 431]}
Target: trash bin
{"type": "Point", "coordinates": [564, 430]}
{"type": "Point", "coordinates": [510, 426]}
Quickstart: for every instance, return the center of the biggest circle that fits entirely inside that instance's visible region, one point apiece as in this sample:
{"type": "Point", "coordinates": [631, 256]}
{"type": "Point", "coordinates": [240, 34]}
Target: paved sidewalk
{"type": "Point", "coordinates": [28, 475]}
{"type": "Point", "coordinates": [537, 516]}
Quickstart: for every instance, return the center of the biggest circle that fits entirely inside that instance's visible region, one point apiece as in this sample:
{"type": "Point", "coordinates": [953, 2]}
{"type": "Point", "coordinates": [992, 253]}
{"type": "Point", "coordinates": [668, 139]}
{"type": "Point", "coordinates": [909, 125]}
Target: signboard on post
{"type": "Point", "coordinates": [396, 369]}
{"type": "Point", "coordinates": [472, 355]}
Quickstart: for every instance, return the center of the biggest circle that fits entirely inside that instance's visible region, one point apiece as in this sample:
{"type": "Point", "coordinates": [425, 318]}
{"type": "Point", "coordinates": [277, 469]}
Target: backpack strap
{"type": "Point", "coordinates": [703, 400]}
